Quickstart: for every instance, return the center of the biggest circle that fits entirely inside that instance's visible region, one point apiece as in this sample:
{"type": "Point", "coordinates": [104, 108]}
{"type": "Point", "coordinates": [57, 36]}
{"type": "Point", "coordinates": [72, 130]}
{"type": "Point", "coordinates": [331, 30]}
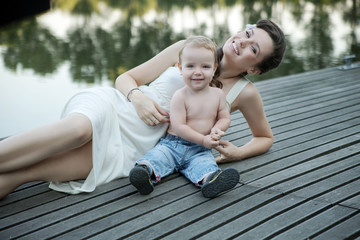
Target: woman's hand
{"type": "Point", "coordinates": [228, 152]}
{"type": "Point", "coordinates": [148, 110]}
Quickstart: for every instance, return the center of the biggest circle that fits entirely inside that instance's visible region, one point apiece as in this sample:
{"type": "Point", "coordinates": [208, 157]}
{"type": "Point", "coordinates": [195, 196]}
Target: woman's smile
{"type": "Point", "coordinates": [234, 47]}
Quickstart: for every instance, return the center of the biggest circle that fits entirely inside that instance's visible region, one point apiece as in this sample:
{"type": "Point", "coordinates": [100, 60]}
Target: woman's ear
{"type": "Point", "coordinates": [254, 71]}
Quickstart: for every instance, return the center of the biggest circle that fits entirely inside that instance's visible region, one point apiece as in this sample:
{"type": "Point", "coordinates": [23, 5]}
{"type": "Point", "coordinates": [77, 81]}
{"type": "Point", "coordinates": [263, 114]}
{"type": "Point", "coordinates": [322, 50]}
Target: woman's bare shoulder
{"type": "Point", "coordinates": [249, 96]}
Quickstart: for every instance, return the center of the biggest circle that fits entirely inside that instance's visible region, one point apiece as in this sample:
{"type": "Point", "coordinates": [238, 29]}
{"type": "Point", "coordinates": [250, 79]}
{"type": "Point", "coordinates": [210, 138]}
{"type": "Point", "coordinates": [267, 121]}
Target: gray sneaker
{"type": "Point", "coordinates": [140, 177]}
{"type": "Point", "coordinates": [219, 182]}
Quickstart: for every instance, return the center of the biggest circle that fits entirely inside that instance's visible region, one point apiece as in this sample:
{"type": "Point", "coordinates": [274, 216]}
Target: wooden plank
{"type": "Point", "coordinates": [309, 174]}
{"type": "Point", "coordinates": [265, 177]}
{"type": "Point", "coordinates": [296, 137]}
{"type": "Point", "coordinates": [344, 195]}
{"type": "Point", "coordinates": [288, 219]}
{"type": "Point", "coordinates": [289, 159]}
{"type": "Point", "coordinates": [306, 95]}
{"type": "Point", "coordinates": [330, 184]}
{"type": "Point", "coordinates": [58, 201]}
{"type": "Point", "coordinates": [353, 202]}
{"type": "Point", "coordinates": [313, 80]}
{"type": "Point", "coordinates": [83, 212]}
{"type": "Point", "coordinates": [279, 225]}
{"type": "Point", "coordinates": [264, 222]}
{"type": "Point", "coordinates": [284, 95]}
{"type": "Point", "coordinates": [238, 218]}
{"type": "Point", "coordinates": [346, 229]}
{"type": "Point", "coordinates": [317, 223]}
{"type": "Point", "coordinates": [159, 214]}
{"type": "Point", "coordinates": [193, 213]}
{"type": "Point", "coordinates": [282, 107]}
{"type": "Point", "coordinates": [24, 192]}
{"type": "Point", "coordinates": [300, 115]}
{"type": "Point", "coordinates": [305, 135]}
{"type": "Point", "coordinates": [242, 224]}
{"type": "Point", "coordinates": [29, 203]}
{"type": "Point", "coordinates": [300, 119]}
{"type": "Point", "coordinates": [285, 220]}
{"type": "Point", "coordinates": [278, 106]}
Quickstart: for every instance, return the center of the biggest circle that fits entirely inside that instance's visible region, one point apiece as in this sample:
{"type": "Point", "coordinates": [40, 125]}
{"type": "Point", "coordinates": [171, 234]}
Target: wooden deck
{"type": "Point", "coordinates": [306, 186]}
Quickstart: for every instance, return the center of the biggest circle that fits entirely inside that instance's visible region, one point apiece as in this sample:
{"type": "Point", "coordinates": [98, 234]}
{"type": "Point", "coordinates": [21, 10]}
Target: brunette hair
{"type": "Point", "coordinates": [202, 42]}
{"type": "Point", "coordinates": [273, 60]}
{"type": "Point", "coordinates": [270, 61]}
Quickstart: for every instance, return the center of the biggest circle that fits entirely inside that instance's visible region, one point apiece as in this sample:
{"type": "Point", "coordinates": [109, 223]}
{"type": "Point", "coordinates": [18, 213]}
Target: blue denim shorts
{"type": "Point", "coordinates": [175, 154]}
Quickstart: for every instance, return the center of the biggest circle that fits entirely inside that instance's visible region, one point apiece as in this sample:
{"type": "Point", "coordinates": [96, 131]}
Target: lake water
{"type": "Point", "coordinates": [47, 58]}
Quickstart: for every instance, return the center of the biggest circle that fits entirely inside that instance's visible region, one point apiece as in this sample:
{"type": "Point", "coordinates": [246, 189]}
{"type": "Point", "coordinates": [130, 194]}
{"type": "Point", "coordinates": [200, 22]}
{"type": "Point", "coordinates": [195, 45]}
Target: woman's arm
{"type": "Point", "coordinates": [249, 102]}
{"type": "Point", "coordinates": [145, 73]}
{"type": "Point", "coordinates": [150, 70]}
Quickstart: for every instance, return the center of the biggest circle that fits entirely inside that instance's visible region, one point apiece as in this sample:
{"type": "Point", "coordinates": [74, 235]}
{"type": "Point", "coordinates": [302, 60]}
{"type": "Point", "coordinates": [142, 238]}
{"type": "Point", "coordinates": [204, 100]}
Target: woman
{"type": "Point", "coordinates": [100, 137]}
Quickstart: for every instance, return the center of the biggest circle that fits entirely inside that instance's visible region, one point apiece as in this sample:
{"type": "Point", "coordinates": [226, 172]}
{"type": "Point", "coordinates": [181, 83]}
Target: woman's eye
{"type": "Point", "coordinates": [253, 49]}
{"type": "Point", "coordinates": [247, 34]}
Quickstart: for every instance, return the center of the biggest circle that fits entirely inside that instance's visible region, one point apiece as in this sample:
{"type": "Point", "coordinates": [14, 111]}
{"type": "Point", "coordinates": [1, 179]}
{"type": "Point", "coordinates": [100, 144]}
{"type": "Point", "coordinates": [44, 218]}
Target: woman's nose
{"type": "Point", "coordinates": [244, 42]}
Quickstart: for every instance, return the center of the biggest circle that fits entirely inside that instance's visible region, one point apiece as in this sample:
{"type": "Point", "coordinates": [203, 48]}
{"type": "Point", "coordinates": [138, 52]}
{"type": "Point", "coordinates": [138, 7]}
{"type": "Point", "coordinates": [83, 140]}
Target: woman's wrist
{"type": "Point", "coordinates": [132, 94]}
{"type": "Point", "coordinates": [255, 147]}
{"type": "Point", "coordinates": [239, 153]}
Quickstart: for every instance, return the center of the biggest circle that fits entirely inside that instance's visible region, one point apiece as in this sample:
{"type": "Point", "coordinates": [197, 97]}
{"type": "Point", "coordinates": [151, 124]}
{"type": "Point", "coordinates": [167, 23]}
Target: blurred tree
{"type": "Point", "coordinates": [96, 53]}
{"type": "Point", "coordinates": [318, 45]}
{"type": "Point", "coordinates": [31, 46]}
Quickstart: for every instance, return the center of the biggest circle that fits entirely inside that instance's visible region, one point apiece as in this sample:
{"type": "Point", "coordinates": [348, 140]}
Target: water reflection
{"type": "Point", "coordinates": [91, 42]}
{"type": "Point", "coordinates": [96, 53]}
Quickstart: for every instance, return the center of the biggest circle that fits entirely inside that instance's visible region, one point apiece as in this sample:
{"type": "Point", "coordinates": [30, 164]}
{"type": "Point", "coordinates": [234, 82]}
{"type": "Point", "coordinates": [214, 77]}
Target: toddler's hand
{"type": "Point", "coordinates": [216, 134]}
{"type": "Point", "coordinates": [209, 142]}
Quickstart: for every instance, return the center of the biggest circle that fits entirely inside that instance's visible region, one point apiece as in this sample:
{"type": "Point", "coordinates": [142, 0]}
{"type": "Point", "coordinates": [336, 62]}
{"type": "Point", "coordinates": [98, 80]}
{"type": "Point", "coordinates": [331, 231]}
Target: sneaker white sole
{"type": "Point", "coordinates": [225, 180]}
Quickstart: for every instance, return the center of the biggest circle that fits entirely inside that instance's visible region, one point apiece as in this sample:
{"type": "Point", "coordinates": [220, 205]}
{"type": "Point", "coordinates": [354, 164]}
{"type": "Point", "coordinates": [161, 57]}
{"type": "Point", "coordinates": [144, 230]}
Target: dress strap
{"type": "Point", "coordinates": [235, 91]}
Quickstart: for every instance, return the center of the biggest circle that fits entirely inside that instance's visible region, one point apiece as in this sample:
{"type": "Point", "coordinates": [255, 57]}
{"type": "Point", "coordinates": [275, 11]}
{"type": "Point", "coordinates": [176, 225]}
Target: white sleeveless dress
{"type": "Point", "coordinates": [120, 137]}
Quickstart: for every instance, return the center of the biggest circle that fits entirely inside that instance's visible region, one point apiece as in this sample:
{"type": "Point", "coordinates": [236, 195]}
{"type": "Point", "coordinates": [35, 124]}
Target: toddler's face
{"type": "Point", "coordinates": [197, 67]}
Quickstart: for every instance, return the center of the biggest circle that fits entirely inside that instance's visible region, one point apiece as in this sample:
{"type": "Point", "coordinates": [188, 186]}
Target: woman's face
{"type": "Point", "coordinates": [244, 50]}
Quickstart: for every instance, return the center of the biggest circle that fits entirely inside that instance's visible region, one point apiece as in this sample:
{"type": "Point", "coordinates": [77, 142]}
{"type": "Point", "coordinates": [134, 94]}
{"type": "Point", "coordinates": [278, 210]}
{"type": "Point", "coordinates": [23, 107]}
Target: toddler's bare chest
{"type": "Point", "coordinates": [202, 110]}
